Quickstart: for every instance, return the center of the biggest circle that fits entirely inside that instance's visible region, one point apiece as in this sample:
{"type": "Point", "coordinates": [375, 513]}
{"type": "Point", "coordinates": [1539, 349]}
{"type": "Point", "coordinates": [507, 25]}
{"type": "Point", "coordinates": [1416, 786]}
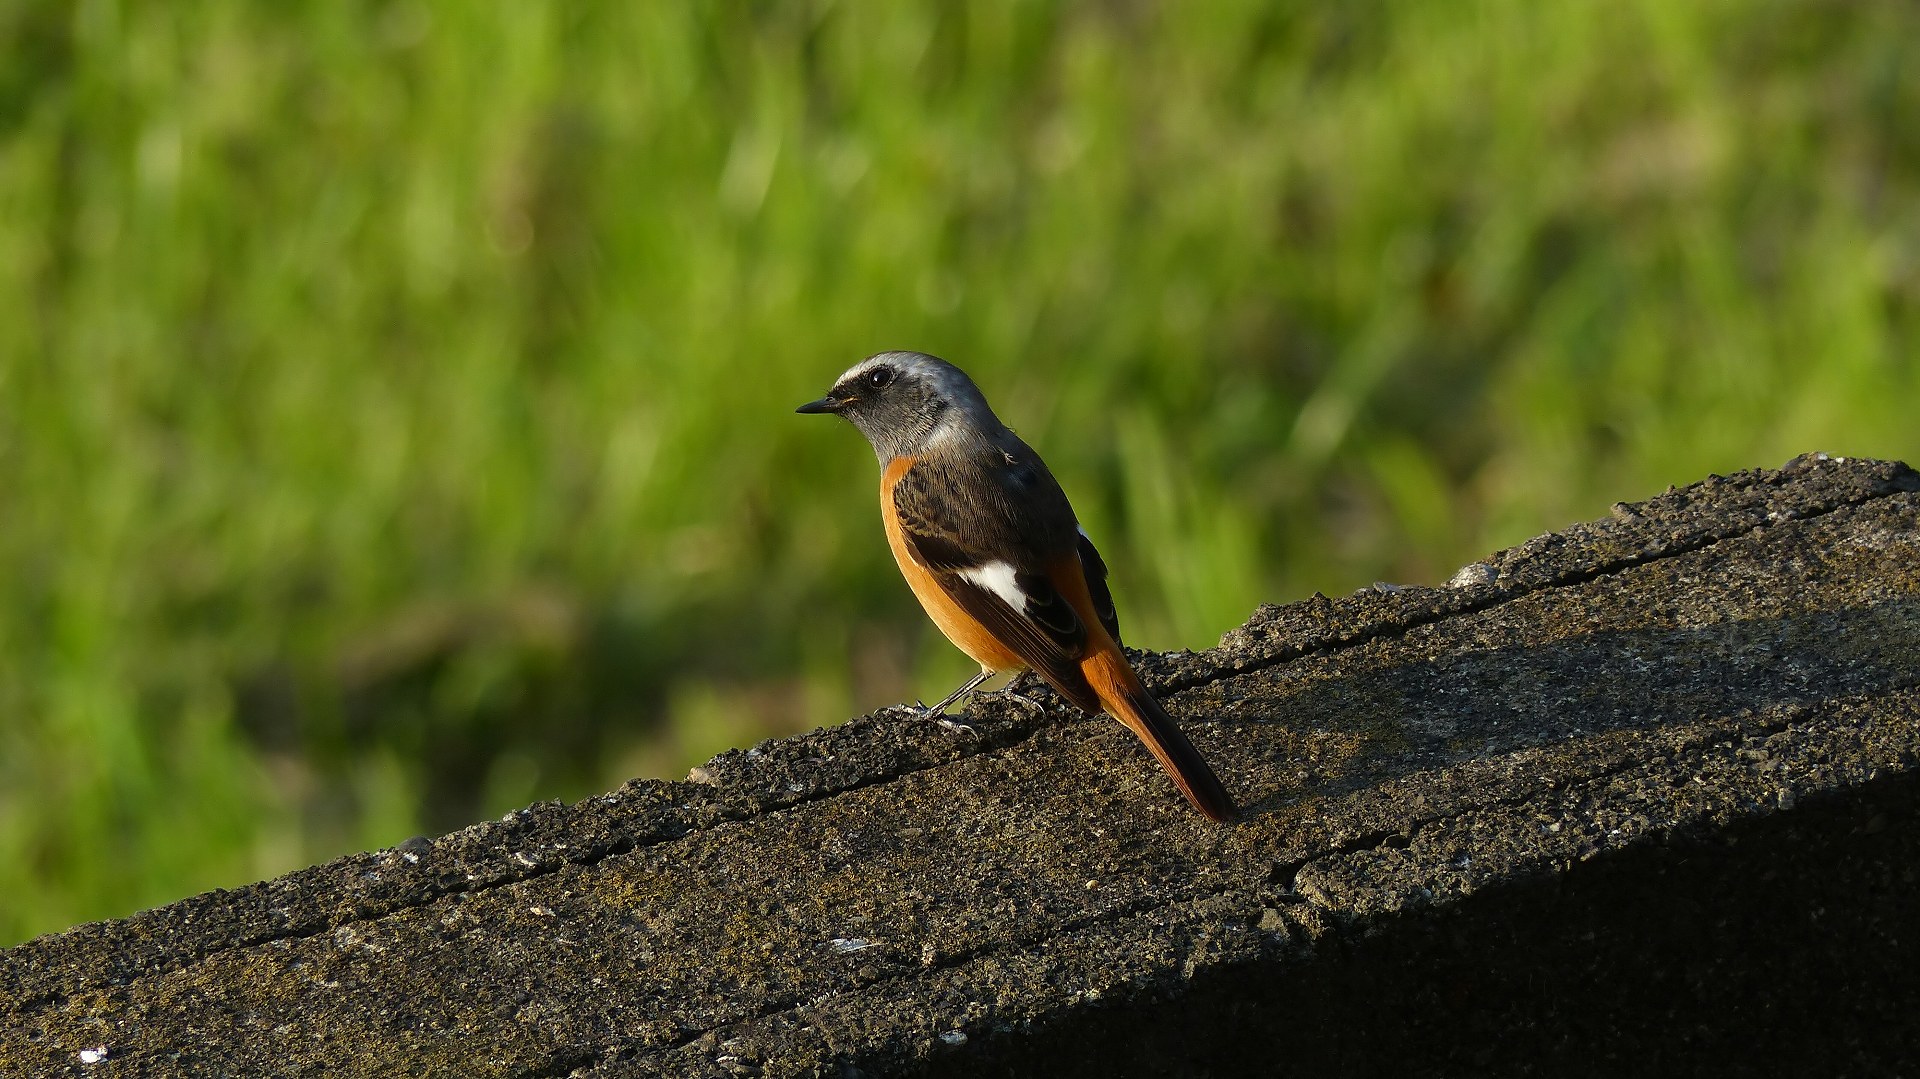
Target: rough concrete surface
{"type": "Point", "coordinates": [1639, 797]}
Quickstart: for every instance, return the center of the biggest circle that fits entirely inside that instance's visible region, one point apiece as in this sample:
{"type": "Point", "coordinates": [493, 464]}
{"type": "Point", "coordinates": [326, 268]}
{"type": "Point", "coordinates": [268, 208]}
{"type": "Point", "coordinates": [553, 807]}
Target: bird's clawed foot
{"type": "Point", "coordinates": [921, 710]}
{"type": "Point", "coordinates": [956, 726]}
{"type": "Point", "coordinates": [1015, 691]}
{"type": "Point", "coordinates": [938, 712]}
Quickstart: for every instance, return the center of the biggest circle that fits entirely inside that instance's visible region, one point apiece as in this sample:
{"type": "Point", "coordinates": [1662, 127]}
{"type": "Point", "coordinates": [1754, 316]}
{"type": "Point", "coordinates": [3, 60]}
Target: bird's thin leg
{"type": "Point", "coordinates": [937, 712]}
{"type": "Point", "coordinates": [965, 688]}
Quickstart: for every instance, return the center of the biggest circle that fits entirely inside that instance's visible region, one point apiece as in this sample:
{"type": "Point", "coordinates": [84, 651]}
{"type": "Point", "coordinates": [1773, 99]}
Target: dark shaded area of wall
{"type": "Point", "coordinates": [1788, 945]}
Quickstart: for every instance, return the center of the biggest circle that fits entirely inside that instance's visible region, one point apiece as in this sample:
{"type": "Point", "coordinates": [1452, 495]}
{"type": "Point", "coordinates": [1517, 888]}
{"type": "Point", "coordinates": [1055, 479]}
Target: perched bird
{"type": "Point", "coordinates": [990, 546]}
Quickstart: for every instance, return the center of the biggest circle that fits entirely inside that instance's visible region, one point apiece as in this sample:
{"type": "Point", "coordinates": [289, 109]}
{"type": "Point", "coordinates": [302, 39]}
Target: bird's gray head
{"type": "Point", "coordinates": [906, 402]}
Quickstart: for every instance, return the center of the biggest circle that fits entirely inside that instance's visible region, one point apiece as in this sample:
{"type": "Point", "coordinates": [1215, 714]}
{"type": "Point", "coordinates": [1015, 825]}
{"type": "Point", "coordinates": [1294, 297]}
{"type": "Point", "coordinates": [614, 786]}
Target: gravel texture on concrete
{"type": "Point", "coordinates": [1637, 797]}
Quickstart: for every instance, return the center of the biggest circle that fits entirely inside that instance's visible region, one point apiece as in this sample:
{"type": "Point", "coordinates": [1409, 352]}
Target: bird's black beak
{"type": "Point", "coordinates": [825, 404]}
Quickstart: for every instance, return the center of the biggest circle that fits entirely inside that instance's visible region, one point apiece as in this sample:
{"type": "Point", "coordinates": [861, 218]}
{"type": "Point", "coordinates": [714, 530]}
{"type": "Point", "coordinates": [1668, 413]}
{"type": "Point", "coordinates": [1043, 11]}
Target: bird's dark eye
{"type": "Point", "coordinates": [880, 377]}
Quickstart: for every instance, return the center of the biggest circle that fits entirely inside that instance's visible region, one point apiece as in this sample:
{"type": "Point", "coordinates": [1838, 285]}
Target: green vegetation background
{"type": "Point", "coordinates": [395, 398]}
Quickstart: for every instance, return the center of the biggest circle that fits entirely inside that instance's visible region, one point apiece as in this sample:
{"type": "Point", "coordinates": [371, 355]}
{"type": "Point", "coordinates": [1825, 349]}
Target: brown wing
{"type": "Point", "coordinates": [970, 536]}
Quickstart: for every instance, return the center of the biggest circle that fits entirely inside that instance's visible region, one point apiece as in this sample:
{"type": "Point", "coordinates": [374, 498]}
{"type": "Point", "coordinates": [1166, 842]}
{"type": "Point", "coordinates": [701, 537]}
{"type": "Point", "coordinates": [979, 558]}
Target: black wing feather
{"type": "Point", "coordinates": [1096, 570]}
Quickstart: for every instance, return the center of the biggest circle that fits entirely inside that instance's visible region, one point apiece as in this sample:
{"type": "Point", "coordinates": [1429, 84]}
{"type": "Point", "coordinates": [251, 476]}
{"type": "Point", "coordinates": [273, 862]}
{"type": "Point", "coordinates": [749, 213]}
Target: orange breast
{"type": "Point", "coordinates": [961, 628]}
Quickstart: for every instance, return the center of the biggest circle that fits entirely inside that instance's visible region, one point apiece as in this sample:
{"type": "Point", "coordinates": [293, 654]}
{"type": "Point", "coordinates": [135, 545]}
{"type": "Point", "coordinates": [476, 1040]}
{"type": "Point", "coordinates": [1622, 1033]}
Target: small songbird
{"type": "Point", "coordinates": [989, 545]}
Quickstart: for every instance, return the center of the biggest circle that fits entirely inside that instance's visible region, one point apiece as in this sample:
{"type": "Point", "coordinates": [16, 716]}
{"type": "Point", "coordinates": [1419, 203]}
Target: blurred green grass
{"type": "Point", "coordinates": [395, 397]}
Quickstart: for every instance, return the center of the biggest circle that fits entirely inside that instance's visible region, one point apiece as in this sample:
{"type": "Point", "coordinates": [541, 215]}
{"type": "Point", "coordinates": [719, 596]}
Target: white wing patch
{"type": "Point", "coordinates": [998, 578]}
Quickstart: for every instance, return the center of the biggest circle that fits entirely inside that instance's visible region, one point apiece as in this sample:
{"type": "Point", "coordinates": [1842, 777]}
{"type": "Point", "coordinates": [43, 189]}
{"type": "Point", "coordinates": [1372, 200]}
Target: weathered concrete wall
{"type": "Point", "coordinates": [1638, 797]}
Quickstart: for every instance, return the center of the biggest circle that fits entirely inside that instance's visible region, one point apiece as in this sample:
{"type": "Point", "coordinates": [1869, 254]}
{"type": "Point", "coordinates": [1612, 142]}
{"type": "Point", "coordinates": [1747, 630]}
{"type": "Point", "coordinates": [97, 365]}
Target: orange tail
{"type": "Point", "coordinates": [1126, 700]}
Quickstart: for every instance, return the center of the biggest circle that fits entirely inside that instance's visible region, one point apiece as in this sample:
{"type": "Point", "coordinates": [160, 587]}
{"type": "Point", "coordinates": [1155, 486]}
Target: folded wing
{"type": "Point", "coordinates": [980, 558]}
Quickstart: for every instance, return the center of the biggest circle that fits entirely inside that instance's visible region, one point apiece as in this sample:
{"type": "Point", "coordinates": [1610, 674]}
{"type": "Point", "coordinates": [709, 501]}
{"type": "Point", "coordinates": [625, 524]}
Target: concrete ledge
{"type": "Point", "coordinates": [1641, 794]}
